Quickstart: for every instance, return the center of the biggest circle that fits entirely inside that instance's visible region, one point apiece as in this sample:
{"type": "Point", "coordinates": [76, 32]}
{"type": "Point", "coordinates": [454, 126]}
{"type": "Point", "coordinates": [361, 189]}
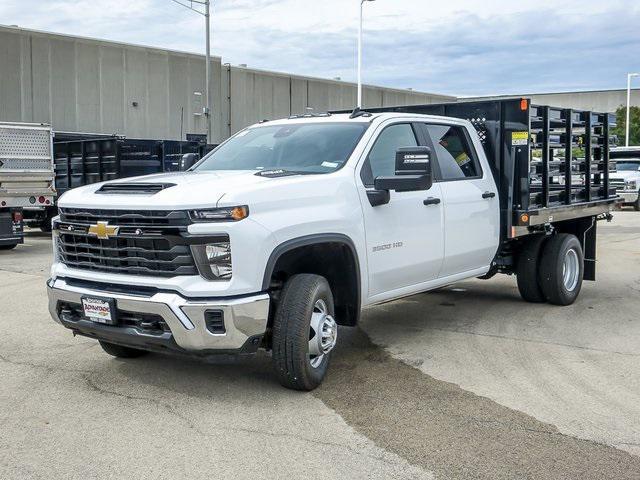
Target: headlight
{"type": "Point", "coordinates": [631, 185]}
{"type": "Point", "coordinates": [214, 259]}
{"type": "Point", "coordinates": [233, 214]}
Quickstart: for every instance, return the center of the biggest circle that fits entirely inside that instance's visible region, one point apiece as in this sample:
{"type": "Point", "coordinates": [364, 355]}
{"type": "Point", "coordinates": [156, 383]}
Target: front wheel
{"type": "Point", "coordinates": [45, 225]}
{"type": "Point", "coordinates": [304, 332]}
{"type": "Point", "coordinates": [636, 205]}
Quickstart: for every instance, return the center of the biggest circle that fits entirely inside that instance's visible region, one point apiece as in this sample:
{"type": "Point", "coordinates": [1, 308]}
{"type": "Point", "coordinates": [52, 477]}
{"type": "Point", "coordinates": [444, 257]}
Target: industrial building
{"type": "Point", "coordinates": [86, 85]}
{"type": "Point", "coordinates": [93, 86]}
{"type": "Point", "coordinates": [594, 100]}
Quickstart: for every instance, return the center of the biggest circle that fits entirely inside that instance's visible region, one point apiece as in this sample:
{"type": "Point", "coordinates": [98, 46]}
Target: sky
{"type": "Point", "coordinates": [456, 47]}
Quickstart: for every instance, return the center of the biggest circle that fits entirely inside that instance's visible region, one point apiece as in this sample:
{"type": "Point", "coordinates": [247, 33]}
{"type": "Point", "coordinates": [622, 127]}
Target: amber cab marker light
{"type": "Point", "coordinates": [524, 218]}
{"type": "Point", "coordinates": [239, 213]}
{"type": "Point", "coordinates": [524, 104]}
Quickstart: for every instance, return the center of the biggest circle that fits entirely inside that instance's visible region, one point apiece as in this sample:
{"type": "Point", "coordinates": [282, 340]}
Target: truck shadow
{"type": "Point", "coordinates": [205, 379]}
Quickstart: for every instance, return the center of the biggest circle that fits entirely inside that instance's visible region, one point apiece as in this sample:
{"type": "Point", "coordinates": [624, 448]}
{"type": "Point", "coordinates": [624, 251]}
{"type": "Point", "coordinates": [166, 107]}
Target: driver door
{"type": "Point", "coordinates": [404, 238]}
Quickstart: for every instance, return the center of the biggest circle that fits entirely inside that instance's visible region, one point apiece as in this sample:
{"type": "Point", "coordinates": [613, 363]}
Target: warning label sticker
{"type": "Point", "coordinates": [519, 138]}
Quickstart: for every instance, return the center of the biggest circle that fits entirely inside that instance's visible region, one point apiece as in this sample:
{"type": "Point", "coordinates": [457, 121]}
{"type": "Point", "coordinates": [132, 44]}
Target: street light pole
{"type": "Point", "coordinates": [206, 108]}
{"type": "Point", "coordinates": [360, 53]}
{"type": "Point", "coordinates": [629, 77]}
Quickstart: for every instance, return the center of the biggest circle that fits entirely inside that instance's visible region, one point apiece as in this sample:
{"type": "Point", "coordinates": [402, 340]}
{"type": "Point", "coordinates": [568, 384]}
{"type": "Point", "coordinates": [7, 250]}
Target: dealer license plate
{"type": "Point", "coordinates": [99, 310]}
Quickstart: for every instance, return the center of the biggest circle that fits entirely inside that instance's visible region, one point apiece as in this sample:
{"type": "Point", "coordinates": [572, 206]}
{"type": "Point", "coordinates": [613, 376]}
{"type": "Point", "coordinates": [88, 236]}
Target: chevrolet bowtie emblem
{"type": "Point", "coordinates": [103, 230]}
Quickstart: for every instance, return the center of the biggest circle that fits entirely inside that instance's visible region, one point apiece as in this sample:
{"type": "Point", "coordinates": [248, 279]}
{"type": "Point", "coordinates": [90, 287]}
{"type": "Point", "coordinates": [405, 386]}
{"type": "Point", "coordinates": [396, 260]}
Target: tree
{"type": "Point", "coordinates": [634, 131]}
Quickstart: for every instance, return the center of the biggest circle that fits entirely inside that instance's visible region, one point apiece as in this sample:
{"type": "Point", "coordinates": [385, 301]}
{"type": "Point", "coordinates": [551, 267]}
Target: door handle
{"type": "Point", "coordinates": [431, 201]}
{"type": "Point", "coordinates": [488, 195]}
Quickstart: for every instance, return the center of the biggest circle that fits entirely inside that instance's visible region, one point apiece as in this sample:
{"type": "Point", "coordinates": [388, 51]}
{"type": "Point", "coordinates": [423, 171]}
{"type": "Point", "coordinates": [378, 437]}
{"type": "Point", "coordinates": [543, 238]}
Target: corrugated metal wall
{"type": "Point", "coordinates": [86, 85]}
{"type": "Point", "coordinates": [597, 101]}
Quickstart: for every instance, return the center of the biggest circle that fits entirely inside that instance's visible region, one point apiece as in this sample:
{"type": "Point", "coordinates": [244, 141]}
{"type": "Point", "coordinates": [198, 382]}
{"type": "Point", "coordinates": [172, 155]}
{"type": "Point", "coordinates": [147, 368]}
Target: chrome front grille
{"type": "Point", "coordinates": [125, 218]}
{"type": "Point", "coordinates": [145, 243]}
{"type": "Point", "coordinates": [616, 183]}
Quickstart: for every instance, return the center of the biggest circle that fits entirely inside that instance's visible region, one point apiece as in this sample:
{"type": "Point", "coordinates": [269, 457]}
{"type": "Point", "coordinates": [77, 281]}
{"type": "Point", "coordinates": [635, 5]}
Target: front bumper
{"type": "Point", "coordinates": [629, 197]}
{"type": "Point", "coordinates": [245, 319]}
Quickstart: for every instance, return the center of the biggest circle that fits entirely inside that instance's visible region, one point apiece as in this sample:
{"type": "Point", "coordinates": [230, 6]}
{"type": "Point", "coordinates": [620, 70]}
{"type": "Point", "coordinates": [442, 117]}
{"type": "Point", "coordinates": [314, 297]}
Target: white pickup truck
{"type": "Point", "coordinates": [289, 228]}
{"type": "Point", "coordinates": [626, 177]}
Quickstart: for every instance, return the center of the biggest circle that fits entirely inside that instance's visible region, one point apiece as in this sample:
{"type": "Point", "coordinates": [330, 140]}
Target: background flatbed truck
{"type": "Point", "coordinates": [26, 178]}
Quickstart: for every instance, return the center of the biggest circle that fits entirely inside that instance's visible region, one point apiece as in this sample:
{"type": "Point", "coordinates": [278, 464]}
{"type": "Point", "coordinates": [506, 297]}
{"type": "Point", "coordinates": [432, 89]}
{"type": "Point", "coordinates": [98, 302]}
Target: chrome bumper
{"type": "Point", "coordinates": [629, 197]}
{"type": "Point", "coordinates": [245, 318]}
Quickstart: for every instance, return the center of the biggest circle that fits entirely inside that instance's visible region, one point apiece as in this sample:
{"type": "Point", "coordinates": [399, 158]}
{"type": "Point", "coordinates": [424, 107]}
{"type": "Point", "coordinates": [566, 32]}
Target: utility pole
{"type": "Point", "coordinates": [207, 79]}
{"type": "Point", "coordinates": [627, 130]}
{"type": "Point", "coordinates": [362, 2]}
{"type": "Point", "coordinates": [206, 4]}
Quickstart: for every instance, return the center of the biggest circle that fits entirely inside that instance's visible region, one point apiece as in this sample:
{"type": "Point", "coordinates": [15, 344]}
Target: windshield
{"type": "Point", "coordinates": [298, 148]}
{"type": "Point", "coordinates": [628, 166]}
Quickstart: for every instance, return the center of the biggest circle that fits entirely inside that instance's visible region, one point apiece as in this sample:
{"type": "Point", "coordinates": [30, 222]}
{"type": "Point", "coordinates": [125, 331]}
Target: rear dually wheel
{"type": "Point", "coordinates": [561, 269]}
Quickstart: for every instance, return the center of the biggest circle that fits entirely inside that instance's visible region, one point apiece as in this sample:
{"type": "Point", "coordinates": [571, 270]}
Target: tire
{"type": "Point", "coordinates": [528, 270]}
{"type": "Point", "coordinates": [558, 288]}
{"type": "Point", "coordinates": [45, 226]}
{"type": "Point", "coordinates": [636, 205]}
{"type": "Point", "coordinates": [120, 351]}
{"type": "Point", "coordinates": [303, 295]}
{"type": "Point", "coordinates": [8, 247]}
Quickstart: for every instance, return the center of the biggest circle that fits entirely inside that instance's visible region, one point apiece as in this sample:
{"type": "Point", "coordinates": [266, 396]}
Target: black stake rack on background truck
{"type": "Point", "coordinates": [543, 185]}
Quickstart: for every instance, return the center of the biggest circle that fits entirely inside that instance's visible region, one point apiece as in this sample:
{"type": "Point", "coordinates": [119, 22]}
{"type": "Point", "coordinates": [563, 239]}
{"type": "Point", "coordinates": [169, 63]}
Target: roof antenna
{"type": "Point", "coordinates": [358, 112]}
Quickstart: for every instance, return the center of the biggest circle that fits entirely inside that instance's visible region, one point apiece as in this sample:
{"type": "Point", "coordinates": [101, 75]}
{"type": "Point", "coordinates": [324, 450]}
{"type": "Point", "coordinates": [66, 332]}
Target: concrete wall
{"type": "Point", "coordinates": [86, 85]}
{"type": "Point", "coordinates": [598, 101]}
{"type": "Point", "coordinates": [91, 86]}
{"type": "Point", "coordinates": [257, 95]}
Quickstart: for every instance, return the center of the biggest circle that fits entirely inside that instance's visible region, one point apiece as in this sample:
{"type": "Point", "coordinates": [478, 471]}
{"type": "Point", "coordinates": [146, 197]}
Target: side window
{"type": "Point", "coordinates": [455, 156]}
{"type": "Point", "coordinates": [382, 157]}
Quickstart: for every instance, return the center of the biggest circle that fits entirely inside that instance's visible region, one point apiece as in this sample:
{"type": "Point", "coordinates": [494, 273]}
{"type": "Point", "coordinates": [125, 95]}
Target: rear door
{"type": "Point", "coordinates": [404, 237]}
{"type": "Point", "coordinates": [470, 198]}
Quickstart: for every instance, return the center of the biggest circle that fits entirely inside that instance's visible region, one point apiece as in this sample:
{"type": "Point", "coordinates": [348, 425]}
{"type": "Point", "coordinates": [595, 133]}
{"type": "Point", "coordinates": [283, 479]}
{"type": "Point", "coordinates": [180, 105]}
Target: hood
{"type": "Point", "coordinates": [180, 190]}
{"type": "Point", "coordinates": [625, 175]}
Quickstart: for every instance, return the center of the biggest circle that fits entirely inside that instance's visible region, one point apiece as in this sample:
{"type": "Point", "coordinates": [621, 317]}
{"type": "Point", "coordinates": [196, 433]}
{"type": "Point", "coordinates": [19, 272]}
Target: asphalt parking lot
{"type": "Point", "coordinates": [465, 382]}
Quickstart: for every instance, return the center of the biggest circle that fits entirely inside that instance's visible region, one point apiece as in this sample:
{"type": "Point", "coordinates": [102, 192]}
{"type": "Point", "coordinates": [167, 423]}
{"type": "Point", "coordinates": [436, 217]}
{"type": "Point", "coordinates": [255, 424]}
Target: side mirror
{"type": "Point", "coordinates": [188, 160]}
{"type": "Point", "coordinates": [413, 171]}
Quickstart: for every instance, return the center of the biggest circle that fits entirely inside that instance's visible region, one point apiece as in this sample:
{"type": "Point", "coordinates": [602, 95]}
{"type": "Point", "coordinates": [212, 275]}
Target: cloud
{"type": "Point", "coordinates": [455, 47]}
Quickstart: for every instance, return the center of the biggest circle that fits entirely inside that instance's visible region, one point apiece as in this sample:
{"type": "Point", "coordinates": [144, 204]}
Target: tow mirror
{"type": "Point", "coordinates": [413, 171]}
{"type": "Point", "coordinates": [188, 160]}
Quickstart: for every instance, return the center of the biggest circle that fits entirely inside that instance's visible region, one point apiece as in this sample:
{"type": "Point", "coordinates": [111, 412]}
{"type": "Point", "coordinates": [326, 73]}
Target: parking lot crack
{"type": "Point", "coordinates": [216, 431]}
{"type": "Point", "coordinates": [525, 340]}
{"type": "Point", "coordinates": [40, 366]}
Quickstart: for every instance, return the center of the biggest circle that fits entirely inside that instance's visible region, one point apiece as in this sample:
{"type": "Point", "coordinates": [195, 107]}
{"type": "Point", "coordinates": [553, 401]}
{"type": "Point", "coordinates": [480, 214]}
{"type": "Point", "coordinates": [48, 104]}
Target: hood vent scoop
{"type": "Point", "coordinates": [134, 188]}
